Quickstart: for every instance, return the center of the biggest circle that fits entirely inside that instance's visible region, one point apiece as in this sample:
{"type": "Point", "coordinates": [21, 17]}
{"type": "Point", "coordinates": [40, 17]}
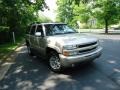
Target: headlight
{"type": "Point", "coordinates": [69, 47]}
{"type": "Point", "coordinates": [68, 53]}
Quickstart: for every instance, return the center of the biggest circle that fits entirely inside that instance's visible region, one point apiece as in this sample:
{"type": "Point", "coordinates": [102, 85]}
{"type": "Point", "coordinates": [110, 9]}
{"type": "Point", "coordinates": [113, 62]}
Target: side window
{"type": "Point", "coordinates": [39, 29]}
{"type": "Point", "coordinates": [49, 30]}
{"type": "Point", "coordinates": [33, 30]}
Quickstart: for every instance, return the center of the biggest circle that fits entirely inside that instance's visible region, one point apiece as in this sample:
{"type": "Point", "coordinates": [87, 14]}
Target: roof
{"type": "Point", "coordinates": [38, 23]}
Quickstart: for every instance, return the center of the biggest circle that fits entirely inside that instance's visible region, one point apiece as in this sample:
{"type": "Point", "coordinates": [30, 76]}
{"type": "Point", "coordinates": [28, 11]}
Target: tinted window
{"type": "Point", "coordinates": [39, 29]}
{"type": "Point", "coordinates": [33, 30]}
{"type": "Point", "coordinates": [48, 29]}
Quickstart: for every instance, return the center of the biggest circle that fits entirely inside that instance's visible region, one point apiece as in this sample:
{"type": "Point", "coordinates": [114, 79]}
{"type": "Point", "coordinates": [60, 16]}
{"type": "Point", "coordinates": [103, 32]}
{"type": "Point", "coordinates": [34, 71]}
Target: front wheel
{"type": "Point", "coordinates": [54, 62]}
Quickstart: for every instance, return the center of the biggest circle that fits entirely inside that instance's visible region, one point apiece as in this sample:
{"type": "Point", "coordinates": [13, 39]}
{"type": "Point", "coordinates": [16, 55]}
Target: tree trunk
{"type": "Point", "coordinates": [106, 26]}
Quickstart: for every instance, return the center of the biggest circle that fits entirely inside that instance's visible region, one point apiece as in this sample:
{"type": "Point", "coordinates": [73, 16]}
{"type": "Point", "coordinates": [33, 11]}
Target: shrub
{"type": "Point", "coordinates": [4, 34]}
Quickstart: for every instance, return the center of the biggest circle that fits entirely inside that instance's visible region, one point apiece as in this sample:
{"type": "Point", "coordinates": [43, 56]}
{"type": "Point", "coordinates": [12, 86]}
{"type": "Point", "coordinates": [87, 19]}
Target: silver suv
{"type": "Point", "coordinates": [61, 45]}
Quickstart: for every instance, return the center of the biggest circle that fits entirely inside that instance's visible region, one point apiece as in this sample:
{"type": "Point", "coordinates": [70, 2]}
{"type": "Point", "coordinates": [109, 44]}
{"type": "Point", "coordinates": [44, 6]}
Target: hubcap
{"type": "Point", "coordinates": [55, 62]}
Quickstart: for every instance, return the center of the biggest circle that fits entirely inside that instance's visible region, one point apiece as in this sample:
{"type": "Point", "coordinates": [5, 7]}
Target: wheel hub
{"type": "Point", "coordinates": [55, 62]}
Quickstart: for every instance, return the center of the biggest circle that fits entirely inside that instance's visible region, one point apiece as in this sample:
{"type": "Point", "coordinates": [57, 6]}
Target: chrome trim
{"type": "Point", "coordinates": [85, 48]}
{"type": "Point", "coordinates": [69, 60]}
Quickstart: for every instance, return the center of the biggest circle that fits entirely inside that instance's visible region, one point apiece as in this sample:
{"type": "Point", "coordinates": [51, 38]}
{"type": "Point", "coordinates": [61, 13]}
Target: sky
{"type": "Point", "coordinates": [52, 6]}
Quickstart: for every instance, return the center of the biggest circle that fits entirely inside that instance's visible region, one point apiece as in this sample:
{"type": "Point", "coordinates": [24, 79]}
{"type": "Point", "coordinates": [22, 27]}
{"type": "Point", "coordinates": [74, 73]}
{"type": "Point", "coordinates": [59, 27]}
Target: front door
{"type": "Point", "coordinates": [40, 41]}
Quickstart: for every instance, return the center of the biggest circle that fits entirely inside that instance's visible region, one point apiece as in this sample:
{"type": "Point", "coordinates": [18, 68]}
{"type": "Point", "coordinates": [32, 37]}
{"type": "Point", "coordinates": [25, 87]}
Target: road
{"type": "Point", "coordinates": [31, 73]}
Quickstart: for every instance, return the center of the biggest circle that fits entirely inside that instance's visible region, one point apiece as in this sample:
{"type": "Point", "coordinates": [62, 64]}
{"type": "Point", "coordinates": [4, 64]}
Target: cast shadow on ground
{"type": "Point", "coordinates": [29, 73]}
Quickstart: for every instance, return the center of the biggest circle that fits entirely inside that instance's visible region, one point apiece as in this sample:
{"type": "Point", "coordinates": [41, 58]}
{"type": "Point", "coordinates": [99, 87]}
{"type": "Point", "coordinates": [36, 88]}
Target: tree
{"type": "Point", "coordinates": [64, 10]}
{"type": "Point", "coordinates": [18, 13]}
{"type": "Point", "coordinates": [107, 12]}
{"type": "Point", "coordinates": [71, 11]}
{"type": "Point", "coordinates": [15, 15]}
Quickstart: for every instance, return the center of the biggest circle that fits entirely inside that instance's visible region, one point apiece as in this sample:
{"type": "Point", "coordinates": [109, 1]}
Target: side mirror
{"type": "Point", "coordinates": [38, 34]}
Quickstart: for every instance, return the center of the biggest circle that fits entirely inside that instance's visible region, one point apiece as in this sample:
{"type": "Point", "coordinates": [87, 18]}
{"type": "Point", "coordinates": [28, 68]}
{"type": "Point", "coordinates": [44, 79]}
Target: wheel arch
{"type": "Point", "coordinates": [49, 49]}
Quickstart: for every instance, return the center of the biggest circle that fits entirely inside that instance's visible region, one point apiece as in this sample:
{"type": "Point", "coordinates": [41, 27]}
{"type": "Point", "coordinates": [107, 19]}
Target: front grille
{"type": "Point", "coordinates": [86, 45]}
{"type": "Point", "coordinates": [87, 48]}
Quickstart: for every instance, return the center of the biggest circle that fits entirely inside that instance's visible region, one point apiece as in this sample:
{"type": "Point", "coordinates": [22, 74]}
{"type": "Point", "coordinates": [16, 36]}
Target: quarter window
{"type": "Point", "coordinates": [33, 30]}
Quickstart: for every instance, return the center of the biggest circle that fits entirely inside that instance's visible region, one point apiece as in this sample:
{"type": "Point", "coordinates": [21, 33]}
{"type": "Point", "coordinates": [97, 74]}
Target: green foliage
{"type": "Point", "coordinates": [70, 12]}
{"type": "Point", "coordinates": [18, 13]}
{"type": "Point", "coordinates": [82, 13]}
{"type": "Point", "coordinates": [64, 11]}
{"type": "Point", "coordinates": [3, 28]}
{"type": "Point", "coordinates": [106, 12]}
{"type": "Point", "coordinates": [107, 9]}
{"type": "Point", "coordinates": [9, 47]}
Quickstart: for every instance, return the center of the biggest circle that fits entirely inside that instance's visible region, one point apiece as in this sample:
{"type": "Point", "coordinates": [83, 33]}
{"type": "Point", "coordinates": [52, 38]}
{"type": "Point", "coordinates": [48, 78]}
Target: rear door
{"type": "Point", "coordinates": [32, 36]}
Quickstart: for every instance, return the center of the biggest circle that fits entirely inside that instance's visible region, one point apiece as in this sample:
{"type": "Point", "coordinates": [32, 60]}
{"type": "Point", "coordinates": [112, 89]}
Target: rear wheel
{"type": "Point", "coordinates": [54, 62]}
{"type": "Point", "coordinates": [30, 52]}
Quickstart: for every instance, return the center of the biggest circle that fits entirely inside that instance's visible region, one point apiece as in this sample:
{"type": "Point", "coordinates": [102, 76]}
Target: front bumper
{"type": "Point", "coordinates": [68, 61]}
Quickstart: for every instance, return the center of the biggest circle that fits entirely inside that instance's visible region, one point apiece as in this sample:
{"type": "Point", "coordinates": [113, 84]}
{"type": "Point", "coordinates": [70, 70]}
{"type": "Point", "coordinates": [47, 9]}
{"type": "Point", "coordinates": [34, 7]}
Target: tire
{"type": "Point", "coordinates": [54, 62]}
{"type": "Point", "coordinates": [30, 52]}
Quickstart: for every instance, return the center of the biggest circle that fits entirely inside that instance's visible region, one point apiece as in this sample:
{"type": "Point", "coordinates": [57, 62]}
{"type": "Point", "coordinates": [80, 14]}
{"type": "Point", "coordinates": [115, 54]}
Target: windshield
{"type": "Point", "coordinates": [57, 29]}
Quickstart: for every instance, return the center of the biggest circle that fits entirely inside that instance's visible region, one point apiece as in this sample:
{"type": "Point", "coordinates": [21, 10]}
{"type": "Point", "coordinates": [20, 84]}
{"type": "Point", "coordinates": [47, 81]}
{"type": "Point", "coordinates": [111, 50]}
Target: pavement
{"type": "Point", "coordinates": [98, 31]}
{"type": "Point", "coordinates": [32, 73]}
{"type": "Point", "coordinates": [6, 59]}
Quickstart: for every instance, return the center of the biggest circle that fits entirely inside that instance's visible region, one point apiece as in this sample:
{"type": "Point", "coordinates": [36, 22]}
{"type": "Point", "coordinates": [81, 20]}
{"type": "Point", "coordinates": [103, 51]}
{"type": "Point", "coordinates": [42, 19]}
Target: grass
{"type": "Point", "coordinates": [5, 49]}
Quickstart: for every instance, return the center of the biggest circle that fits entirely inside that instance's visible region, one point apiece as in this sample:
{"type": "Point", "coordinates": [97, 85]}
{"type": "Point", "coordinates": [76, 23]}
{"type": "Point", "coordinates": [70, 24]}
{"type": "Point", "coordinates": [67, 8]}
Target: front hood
{"type": "Point", "coordinates": [71, 39]}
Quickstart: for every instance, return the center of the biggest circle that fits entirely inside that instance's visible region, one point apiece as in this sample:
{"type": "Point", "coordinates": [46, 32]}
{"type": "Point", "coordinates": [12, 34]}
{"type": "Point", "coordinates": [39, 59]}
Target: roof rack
{"type": "Point", "coordinates": [46, 23]}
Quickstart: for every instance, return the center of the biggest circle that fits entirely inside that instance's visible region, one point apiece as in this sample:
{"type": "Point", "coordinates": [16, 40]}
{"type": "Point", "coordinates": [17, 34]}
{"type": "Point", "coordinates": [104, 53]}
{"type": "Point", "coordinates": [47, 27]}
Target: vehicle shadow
{"type": "Point", "coordinates": [31, 73]}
